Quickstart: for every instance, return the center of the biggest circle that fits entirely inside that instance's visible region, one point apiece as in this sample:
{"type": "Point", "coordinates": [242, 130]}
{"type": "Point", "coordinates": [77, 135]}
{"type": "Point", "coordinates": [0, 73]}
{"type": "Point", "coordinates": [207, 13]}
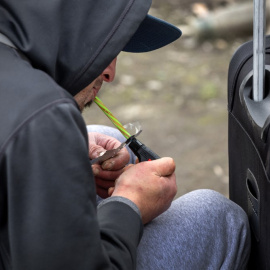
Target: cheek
{"type": "Point", "coordinates": [85, 94]}
{"type": "Point", "coordinates": [80, 98]}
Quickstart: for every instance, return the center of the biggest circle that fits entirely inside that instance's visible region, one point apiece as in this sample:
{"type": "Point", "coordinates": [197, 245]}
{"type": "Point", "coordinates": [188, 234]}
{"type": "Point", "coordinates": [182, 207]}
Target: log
{"type": "Point", "coordinates": [236, 20]}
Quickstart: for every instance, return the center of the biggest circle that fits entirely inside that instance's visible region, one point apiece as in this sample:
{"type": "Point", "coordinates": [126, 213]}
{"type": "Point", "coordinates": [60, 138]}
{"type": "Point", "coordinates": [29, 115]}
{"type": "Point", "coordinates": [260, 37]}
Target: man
{"type": "Point", "coordinates": [52, 51]}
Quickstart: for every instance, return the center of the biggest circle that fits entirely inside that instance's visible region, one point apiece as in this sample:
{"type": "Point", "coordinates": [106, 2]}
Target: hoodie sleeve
{"type": "Point", "coordinates": [53, 222]}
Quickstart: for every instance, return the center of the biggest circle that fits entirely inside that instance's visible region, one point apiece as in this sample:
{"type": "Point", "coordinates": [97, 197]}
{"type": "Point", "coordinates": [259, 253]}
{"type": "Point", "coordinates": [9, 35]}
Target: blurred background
{"type": "Point", "coordinates": [179, 93]}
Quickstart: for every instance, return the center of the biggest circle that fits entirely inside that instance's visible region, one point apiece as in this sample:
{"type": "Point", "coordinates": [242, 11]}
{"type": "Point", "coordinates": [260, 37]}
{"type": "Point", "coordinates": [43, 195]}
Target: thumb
{"type": "Point", "coordinates": [95, 151]}
{"type": "Point", "coordinates": [165, 166]}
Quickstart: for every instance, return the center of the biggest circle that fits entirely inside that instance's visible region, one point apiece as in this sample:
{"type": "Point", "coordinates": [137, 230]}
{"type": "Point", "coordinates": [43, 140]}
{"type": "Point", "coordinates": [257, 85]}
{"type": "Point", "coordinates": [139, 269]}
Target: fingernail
{"type": "Point", "coordinates": [107, 165]}
{"type": "Point", "coordinates": [95, 171]}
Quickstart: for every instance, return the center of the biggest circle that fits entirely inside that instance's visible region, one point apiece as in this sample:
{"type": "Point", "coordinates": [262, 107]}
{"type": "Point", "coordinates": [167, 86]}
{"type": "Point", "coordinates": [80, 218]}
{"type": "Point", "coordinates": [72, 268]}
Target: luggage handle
{"type": "Point", "coordinates": [259, 24]}
{"type": "Point", "coordinates": [252, 90]}
{"type": "Point", "coordinates": [258, 112]}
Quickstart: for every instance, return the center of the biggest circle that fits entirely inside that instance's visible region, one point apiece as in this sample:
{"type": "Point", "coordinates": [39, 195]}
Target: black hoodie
{"type": "Point", "coordinates": [48, 217]}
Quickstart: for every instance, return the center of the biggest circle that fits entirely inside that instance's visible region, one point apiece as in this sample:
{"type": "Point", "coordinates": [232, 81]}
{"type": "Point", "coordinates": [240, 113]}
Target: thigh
{"type": "Point", "coordinates": [201, 230]}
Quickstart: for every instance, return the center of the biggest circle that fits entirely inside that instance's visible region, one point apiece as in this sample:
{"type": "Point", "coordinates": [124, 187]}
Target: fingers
{"type": "Point", "coordinates": [103, 187]}
{"type": "Point", "coordinates": [103, 193]}
{"type": "Point", "coordinates": [105, 184]}
{"type": "Point", "coordinates": [118, 162]}
{"type": "Point", "coordinates": [128, 166]}
{"type": "Point", "coordinates": [98, 171]}
{"type": "Point", "coordinates": [99, 143]}
{"type": "Point", "coordinates": [110, 191]}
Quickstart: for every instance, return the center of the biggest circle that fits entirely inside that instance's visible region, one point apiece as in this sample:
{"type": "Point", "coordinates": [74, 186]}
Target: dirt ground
{"type": "Point", "coordinates": [179, 95]}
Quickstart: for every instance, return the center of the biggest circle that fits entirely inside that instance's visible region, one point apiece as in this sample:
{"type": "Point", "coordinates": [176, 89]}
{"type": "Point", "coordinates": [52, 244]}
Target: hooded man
{"type": "Point", "coordinates": [54, 57]}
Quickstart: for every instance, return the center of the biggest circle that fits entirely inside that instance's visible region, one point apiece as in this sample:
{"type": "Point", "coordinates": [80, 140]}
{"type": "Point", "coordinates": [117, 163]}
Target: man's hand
{"type": "Point", "coordinates": [151, 185]}
{"type": "Point", "coordinates": [107, 172]}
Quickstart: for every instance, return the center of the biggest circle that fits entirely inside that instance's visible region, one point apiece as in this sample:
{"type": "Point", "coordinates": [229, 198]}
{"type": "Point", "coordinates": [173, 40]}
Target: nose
{"type": "Point", "coordinates": [109, 72]}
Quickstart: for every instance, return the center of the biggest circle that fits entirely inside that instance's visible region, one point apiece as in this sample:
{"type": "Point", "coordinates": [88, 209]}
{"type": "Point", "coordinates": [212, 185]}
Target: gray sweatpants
{"type": "Point", "coordinates": [201, 230]}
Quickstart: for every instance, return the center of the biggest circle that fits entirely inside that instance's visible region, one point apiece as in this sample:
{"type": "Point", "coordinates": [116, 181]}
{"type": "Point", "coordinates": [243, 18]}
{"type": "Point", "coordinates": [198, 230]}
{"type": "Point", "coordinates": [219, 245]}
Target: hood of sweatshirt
{"type": "Point", "coordinates": [73, 41]}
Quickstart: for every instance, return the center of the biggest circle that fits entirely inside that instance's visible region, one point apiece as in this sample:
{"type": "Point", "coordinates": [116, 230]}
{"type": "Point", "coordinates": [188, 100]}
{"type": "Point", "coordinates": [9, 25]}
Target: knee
{"type": "Point", "coordinates": [227, 221]}
{"type": "Point", "coordinates": [210, 211]}
{"type": "Point", "coordinates": [222, 205]}
{"type": "Point", "coordinates": [211, 206]}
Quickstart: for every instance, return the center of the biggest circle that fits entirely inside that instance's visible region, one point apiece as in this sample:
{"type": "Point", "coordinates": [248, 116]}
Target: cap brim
{"type": "Point", "coordinates": [152, 34]}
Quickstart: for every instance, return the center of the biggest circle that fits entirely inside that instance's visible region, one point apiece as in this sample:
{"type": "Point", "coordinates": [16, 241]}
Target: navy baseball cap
{"type": "Point", "coordinates": [153, 33]}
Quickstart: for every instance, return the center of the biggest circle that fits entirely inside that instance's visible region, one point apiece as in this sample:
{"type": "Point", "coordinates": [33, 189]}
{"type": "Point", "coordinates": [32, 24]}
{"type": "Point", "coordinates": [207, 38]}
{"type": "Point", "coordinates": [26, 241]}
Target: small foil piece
{"type": "Point", "coordinates": [133, 128]}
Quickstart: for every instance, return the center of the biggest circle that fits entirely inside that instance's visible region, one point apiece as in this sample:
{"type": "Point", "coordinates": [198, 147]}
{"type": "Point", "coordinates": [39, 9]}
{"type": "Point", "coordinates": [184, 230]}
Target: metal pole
{"type": "Point", "coordinates": [258, 49]}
